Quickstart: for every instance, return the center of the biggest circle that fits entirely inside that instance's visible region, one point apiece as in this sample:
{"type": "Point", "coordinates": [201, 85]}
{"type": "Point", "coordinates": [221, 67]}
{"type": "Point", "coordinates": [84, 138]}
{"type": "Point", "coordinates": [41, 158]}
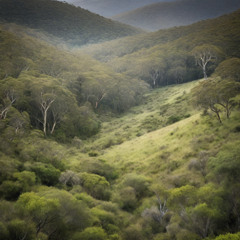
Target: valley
{"type": "Point", "coordinates": [108, 132]}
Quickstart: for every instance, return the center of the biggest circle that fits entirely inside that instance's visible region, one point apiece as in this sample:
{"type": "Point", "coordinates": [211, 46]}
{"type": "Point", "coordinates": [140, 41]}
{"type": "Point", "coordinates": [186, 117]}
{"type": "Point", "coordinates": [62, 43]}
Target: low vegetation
{"type": "Point", "coordinates": [89, 153]}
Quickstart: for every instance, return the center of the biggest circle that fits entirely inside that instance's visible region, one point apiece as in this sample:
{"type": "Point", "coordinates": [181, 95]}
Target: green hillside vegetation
{"type": "Point", "coordinates": [90, 153]}
{"type": "Point", "coordinates": [71, 24]}
{"type": "Point", "coordinates": [43, 81]}
{"type": "Point", "coordinates": [162, 15]}
{"type": "Point", "coordinates": [167, 56]}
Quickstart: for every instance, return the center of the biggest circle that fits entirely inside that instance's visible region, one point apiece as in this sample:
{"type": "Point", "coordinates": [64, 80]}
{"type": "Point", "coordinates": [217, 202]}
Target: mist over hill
{"type": "Point", "coordinates": [71, 24]}
{"type": "Point", "coordinates": [178, 13]}
{"type": "Point", "coordinates": [109, 8]}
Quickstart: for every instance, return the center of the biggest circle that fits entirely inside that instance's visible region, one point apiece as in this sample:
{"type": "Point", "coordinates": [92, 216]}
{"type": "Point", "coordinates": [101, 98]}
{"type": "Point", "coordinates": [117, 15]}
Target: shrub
{"type": "Point", "coordinates": [3, 232]}
{"type": "Point", "coordinates": [173, 119]}
{"type": "Point", "coordinates": [104, 216]}
{"type": "Point", "coordinates": [47, 173]}
{"type": "Point", "coordinates": [126, 198]}
{"type": "Point", "coordinates": [69, 178]}
{"type": "Point", "coordinates": [229, 236]}
{"type": "Point", "coordinates": [10, 190]}
{"type": "Point", "coordinates": [99, 167]}
{"type": "Point", "coordinates": [97, 186]}
{"type": "Point", "coordinates": [91, 233]}
{"type": "Point", "coordinates": [139, 183]}
{"type": "Point", "coordinates": [133, 232]}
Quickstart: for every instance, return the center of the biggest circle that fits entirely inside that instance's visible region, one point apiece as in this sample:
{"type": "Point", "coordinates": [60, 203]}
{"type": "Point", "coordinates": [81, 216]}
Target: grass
{"type": "Point", "coordinates": [163, 154]}
{"type": "Point", "coordinates": [152, 114]}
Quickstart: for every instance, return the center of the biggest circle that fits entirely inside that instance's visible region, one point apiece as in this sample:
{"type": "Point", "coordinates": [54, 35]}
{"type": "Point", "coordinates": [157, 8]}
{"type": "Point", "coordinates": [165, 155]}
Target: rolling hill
{"type": "Point", "coordinates": [71, 24]}
{"type": "Point", "coordinates": [170, 49]}
{"type": "Point", "coordinates": [109, 8]}
{"type": "Point", "coordinates": [170, 14]}
{"type": "Point", "coordinates": [89, 151]}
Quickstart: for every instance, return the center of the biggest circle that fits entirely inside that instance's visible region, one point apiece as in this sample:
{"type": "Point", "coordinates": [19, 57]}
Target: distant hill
{"type": "Point", "coordinates": [169, 51]}
{"type": "Point", "coordinates": [179, 13]}
{"type": "Point", "coordinates": [109, 8]}
{"type": "Point", "coordinates": [72, 24]}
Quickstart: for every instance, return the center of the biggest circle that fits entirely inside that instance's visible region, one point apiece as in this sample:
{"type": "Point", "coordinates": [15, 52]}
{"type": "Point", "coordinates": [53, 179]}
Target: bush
{"type": "Point", "coordinates": [47, 173]}
{"type": "Point", "coordinates": [10, 190]}
{"type": "Point", "coordinates": [69, 178]}
{"type": "Point", "coordinates": [133, 232]}
{"type": "Point", "coordinates": [97, 186]}
{"type": "Point", "coordinates": [229, 236]}
{"type": "Point", "coordinates": [173, 119]}
{"type": "Point", "coordinates": [139, 183]}
{"type": "Point", "coordinates": [105, 217]}
{"type": "Point", "coordinates": [99, 167]}
{"type": "Point", "coordinates": [3, 232]}
{"type": "Point", "coordinates": [91, 233]}
{"type": "Point", "coordinates": [126, 198]}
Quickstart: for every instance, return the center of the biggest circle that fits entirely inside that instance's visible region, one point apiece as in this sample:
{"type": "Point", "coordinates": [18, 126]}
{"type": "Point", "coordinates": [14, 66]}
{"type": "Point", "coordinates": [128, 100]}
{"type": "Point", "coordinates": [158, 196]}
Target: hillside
{"type": "Point", "coordinates": [74, 82]}
{"type": "Point", "coordinates": [126, 148]}
{"type": "Point", "coordinates": [170, 51]}
{"type": "Point", "coordinates": [179, 13]}
{"type": "Point", "coordinates": [161, 153]}
{"type": "Point", "coordinates": [109, 8]}
{"type": "Point", "coordinates": [71, 24]}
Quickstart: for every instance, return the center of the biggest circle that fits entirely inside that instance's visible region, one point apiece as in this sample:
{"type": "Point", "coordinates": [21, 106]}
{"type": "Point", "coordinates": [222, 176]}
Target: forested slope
{"type": "Point", "coordinates": [72, 24]}
{"type": "Point", "coordinates": [178, 13]}
{"type": "Point", "coordinates": [170, 53]}
{"type": "Point", "coordinates": [68, 80]}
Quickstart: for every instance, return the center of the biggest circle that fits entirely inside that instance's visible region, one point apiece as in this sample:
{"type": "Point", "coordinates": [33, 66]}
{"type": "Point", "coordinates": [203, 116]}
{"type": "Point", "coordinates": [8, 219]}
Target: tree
{"type": "Point", "coordinates": [227, 89]}
{"type": "Point", "coordinates": [97, 186]}
{"type": "Point", "coordinates": [95, 91]}
{"type": "Point", "coordinates": [45, 101]}
{"type": "Point", "coordinates": [8, 98]}
{"type": "Point", "coordinates": [216, 94]}
{"type": "Point", "coordinates": [205, 54]}
{"type": "Point", "coordinates": [206, 96]}
{"type": "Point", "coordinates": [56, 213]}
{"type": "Point", "coordinates": [229, 69]}
{"type": "Point", "coordinates": [69, 178]}
{"type": "Point", "coordinates": [200, 219]}
{"type": "Point", "coordinates": [154, 74]}
{"type": "Point", "coordinates": [43, 211]}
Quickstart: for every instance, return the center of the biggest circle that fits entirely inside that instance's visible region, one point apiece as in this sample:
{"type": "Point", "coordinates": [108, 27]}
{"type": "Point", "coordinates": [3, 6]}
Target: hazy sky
{"type": "Point", "coordinates": [108, 8]}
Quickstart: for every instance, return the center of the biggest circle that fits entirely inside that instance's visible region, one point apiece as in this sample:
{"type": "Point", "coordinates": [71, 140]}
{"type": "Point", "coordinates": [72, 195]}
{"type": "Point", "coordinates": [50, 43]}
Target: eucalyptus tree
{"type": "Point", "coordinates": [204, 54]}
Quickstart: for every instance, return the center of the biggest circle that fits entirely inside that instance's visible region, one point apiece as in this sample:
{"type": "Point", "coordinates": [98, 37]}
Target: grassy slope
{"type": "Point", "coordinates": [163, 154]}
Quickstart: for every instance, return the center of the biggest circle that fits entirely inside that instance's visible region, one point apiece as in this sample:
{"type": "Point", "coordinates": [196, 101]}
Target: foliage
{"type": "Point", "coordinates": [168, 52]}
{"type": "Point", "coordinates": [91, 233]}
{"type": "Point", "coordinates": [97, 186]}
{"type": "Point", "coordinates": [75, 164]}
{"type": "Point", "coordinates": [75, 25]}
{"type": "Point", "coordinates": [228, 236]}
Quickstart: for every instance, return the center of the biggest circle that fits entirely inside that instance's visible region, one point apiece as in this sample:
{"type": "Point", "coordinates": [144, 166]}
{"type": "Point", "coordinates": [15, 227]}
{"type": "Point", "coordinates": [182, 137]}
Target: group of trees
{"type": "Point", "coordinates": [217, 94]}
{"type": "Point", "coordinates": [59, 91]}
{"type": "Point", "coordinates": [174, 55]}
{"type": "Point", "coordinates": [76, 26]}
